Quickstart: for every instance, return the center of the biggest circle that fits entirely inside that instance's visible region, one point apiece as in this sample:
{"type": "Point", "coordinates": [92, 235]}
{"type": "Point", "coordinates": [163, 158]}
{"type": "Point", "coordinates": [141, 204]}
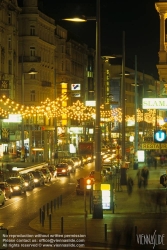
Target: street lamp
{"type": "Point", "coordinates": [32, 71]}
{"type": "Point", "coordinates": [97, 211]}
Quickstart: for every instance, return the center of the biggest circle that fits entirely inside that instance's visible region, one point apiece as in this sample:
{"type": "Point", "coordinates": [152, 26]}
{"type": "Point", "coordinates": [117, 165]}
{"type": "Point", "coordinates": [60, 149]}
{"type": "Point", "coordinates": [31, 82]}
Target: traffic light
{"type": "Point", "coordinates": [88, 183]}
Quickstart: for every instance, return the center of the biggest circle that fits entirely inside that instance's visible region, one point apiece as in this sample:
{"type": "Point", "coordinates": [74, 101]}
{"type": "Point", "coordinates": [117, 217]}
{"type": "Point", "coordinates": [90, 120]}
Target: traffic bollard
{"type": "Point", "coordinates": [57, 202]}
{"type": "Point", "coordinates": [54, 203]}
{"type": "Point", "coordinates": [60, 200]}
{"type": "Point", "coordinates": [51, 205]}
{"type": "Point", "coordinates": [47, 209]}
{"type": "Point", "coordinates": [105, 232]}
{"type": "Point", "coordinates": [43, 218]}
{"type": "Point", "coordinates": [50, 221]}
{"type": "Point", "coordinates": [40, 215]}
{"type": "Point", "coordinates": [62, 222]}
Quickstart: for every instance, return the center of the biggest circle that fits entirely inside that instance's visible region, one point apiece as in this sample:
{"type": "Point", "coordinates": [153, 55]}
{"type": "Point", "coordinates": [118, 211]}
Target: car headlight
{"type": "Point", "coordinates": [70, 168]}
{"type": "Point", "coordinates": [16, 188]}
{"type": "Point", "coordinates": [63, 170]}
{"type": "Point", "coordinates": [36, 180]}
{"type": "Point", "coordinates": [26, 184]}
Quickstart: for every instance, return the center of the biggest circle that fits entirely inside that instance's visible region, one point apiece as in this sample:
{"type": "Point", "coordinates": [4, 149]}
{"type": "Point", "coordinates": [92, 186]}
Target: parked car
{"type": "Point", "coordinates": [53, 171]}
{"type": "Point", "coordinates": [17, 184]}
{"type": "Point", "coordinates": [62, 169]}
{"type": "Point", "coordinates": [6, 188]}
{"type": "Point", "coordinates": [47, 174]}
{"type": "Point", "coordinates": [39, 179]}
{"type": "Point", "coordinates": [29, 180]}
{"type": "Point", "coordinates": [2, 197]}
{"type": "Point", "coordinates": [71, 165]}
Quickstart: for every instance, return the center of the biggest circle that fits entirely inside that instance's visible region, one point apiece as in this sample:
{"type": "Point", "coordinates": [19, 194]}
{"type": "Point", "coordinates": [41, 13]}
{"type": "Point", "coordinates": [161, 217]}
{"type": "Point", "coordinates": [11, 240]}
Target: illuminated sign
{"type": "Point", "coordinates": [160, 136]}
{"type": "Point", "coordinates": [76, 86]}
{"type": "Point", "coordinates": [91, 131]}
{"type": "Point", "coordinates": [106, 196]}
{"type": "Point", "coordinates": [141, 156]}
{"type": "Point", "coordinates": [90, 103]}
{"type": "Point", "coordinates": [13, 118]}
{"type": "Point", "coordinates": [154, 103]}
{"type": "Point", "coordinates": [149, 146]}
{"type": "Point", "coordinates": [75, 130]}
{"type": "Point", "coordinates": [72, 149]}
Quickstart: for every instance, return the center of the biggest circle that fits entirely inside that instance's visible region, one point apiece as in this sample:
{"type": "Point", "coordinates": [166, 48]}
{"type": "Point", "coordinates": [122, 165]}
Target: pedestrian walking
{"type": "Point", "coordinates": [140, 178]}
{"type": "Point", "coordinates": [155, 162]}
{"type": "Point", "coordinates": [162, 160]}
{"type": "Point", "coordinates": [130, 185]}
{"type": "Point", "coordinates": [145, 175]}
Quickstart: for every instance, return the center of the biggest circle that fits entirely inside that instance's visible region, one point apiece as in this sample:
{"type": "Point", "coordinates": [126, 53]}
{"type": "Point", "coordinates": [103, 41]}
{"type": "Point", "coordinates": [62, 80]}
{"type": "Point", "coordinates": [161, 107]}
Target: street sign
{"type": "Point", "coordinates": [160, 136]}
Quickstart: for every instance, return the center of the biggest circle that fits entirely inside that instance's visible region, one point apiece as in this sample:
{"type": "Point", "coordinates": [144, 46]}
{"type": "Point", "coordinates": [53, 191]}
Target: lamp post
{"type": "Point", "coordinates": [136, 122]}
{"type": "Point", "coordinates": [123, 89]}
{"type": "Point", "coordinates": [31, 72]}
{"type": "Point", "coordinates": [97, 210]}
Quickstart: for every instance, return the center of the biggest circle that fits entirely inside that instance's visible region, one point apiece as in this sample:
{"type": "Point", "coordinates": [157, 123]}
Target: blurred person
{"type": "Point", "coordinates": [129, 232]}
{"type": "Point", "coordinates": [130, 185]}
{"type": "Point", "coordinates": [116, 234]}
{"type": "Point", "coordinates": [145, 175]}
{"type": "Point", "coordinates": [162, 160]}
{"type": "Point", "coordinates": [155, 162]}
{"type": "Point", "coordinates": [140, 178]}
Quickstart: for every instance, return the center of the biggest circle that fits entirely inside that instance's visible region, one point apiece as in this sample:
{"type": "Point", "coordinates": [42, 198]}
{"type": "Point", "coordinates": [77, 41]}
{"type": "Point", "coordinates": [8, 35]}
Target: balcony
{"type": "Point", "coordinates": [29, 59]}
{"type": "Point", "coordinates": [46, 84]}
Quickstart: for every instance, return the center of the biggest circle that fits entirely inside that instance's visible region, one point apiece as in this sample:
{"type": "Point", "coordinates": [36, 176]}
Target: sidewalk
{"type": "Point", "coordinates": [69, 218]}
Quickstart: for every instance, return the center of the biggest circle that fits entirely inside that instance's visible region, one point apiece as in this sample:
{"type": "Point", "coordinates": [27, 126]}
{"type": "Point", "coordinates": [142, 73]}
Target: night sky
{"type": "Point", "coordinates": [139, 20]}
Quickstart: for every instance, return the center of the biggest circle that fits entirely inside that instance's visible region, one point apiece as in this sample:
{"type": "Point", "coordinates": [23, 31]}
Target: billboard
{"type": "Point", "coordinates": [154, 103]}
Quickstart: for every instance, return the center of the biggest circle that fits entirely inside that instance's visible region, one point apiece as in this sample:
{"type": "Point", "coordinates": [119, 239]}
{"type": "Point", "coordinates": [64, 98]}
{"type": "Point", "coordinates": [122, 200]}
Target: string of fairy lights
{"type": "Point", "coordinates": [78, 111]}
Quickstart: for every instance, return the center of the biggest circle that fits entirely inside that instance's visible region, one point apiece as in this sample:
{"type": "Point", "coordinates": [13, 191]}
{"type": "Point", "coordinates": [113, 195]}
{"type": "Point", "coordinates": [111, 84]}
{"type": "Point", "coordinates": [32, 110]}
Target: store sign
{"type": "Point", "coordinates": [5, 134]}
{"type": "Point", "coordinates": [76, 86]}
{"type": "Point", "coordinates": [13, 118]}
{"type": "Point", "coordinates": [154, 103]}
{"type": "Point", "coordinates": [75, 130]}
{"type": "Point", "coordinates": [90, 103]}
{"type": "Point", "coordinates": [156, 146]}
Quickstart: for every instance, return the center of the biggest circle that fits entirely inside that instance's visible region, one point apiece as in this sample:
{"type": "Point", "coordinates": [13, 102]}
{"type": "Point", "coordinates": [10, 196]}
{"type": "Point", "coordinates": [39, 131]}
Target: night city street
{"type": "Point", "coordinates": [20, 214]}
{"type": "Point", "coordinates": [83, 124]}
